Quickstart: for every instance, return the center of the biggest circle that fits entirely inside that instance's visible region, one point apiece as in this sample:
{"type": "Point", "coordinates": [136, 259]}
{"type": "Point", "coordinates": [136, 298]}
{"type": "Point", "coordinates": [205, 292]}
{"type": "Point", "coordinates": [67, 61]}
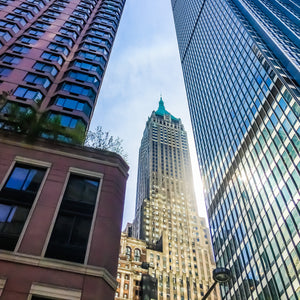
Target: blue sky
{"type": "Point", "coordinates": [144, 63]}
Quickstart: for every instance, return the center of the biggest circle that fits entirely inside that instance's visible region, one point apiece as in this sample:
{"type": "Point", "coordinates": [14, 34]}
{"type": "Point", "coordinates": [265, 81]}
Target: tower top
{"type": "Point", "coordinates": [162, 110]}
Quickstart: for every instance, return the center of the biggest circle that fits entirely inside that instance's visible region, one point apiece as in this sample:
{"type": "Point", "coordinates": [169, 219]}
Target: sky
{"type": "Point", "coordinates": [143, 65]}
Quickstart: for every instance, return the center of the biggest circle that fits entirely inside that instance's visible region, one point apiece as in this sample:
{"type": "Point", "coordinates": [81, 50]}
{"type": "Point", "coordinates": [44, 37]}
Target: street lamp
{"type": "Point", "coordinates": [220, 275]}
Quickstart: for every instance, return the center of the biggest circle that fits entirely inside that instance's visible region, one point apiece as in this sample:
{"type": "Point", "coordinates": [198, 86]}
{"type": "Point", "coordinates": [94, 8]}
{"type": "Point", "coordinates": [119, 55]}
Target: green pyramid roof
{"type": "Point", "coordinates": [162, 110]}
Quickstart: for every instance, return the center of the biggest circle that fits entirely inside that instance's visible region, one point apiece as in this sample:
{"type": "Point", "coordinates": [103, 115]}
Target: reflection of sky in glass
{"type": "Point", "coordinates": [6, 213]}
{"type": "Point", "coordinates": [20, 179]}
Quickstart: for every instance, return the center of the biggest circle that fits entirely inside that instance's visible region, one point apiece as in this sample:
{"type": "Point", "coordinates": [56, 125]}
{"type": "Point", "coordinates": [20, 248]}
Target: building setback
{"type": "Point", "coordinates": [53, 54]}
{"type": "Point", "coordinates": [241, 66]}
{"type": "Point", "coordinates": [178, 243]}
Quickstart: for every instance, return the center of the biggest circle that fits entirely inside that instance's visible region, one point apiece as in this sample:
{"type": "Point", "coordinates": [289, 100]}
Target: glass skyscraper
{"type": "Point", "coordinates": [241, 65]}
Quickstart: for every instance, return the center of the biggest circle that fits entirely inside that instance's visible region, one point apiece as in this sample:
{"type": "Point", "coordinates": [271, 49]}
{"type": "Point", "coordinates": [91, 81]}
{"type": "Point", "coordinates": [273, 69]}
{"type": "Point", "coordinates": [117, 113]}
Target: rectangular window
{"type": "Point", "coordinates": [69, 32]}
{"type": "Point", "coordinates": [9, 25]}
{"type": "Point", "coordinates": [30, 7]}
{"type": "Point", "coordinates": [79, 90]}
{"type": "Point", "coordinates": [58, 48]}
{"type": "Point", "coordinates": [53, 57]}
{"type": "Point", "coordinates": [24, 12]}
{"type": "Point", "coordinates": [35, 32]}
{"type": "Point", "coordinates": [20, 49]}
{"type": "Point", "coordinates": [10, 59]}
{"type": "Point", "coordinates": [5, 35]}
{"type": "Point", "coordinates": [16, 198]}
{"type": "Point", "coordinates": [47, 68]}
{"type": "Point", "coordinates": [16, 18]}
{"type": "Point", "coordinates": [36, 79]}
{"type": "Point", "coordinates": [71, 231]}
{"type": "Point", "coordinates": [5, 71]}
{"type": "Point", "coordinates": [63, 39]}
{"type": "Point", "coordinates": [27, 93]}
{"type": "Point", "coordinates": [28, 40]}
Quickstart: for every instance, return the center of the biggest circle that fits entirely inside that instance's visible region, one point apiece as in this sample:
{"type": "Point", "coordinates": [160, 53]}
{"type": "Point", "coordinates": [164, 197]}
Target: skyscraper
{"type": "Point", "coordinates": [55, 52]}
{"type": "Point", "coordinates": [179, 249]}
{"type": "Point", "coordinates": [61, 204]}
{"type": "Point", "coordinates": [241, 62]}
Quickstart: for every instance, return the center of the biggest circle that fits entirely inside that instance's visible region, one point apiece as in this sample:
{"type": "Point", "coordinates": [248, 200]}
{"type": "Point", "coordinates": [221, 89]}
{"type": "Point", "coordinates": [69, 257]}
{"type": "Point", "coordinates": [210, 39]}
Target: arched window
{"type": "Point", "coordinates": [137, 255]}
{"type": "Point", "coordinates": [128, 253]}
{"type": "Point", "coordinates": [125, 286]}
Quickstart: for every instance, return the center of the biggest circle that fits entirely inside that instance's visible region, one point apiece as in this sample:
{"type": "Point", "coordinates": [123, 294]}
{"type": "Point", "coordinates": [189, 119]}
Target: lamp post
{"type": "Point", "coordinates": [220, 275]}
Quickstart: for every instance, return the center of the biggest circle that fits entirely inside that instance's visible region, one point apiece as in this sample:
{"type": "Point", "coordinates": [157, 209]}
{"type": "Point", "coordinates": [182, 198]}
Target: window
{"type": "Point", "coordinates": [47, 19]}
{"type": "Point", "coordinates": [78, 90]}
{"type": "Point", "coordinates": [66, 121]}
{"type": "Point", "coordinates": [16, 18]}
{"type": "Point", "coordinates": [72, 104]}
{"type": "Point", "coordinates": [98, 41]}
{"type": "Point", "coordinates": [125, 286]}
{"type": "Point", "coordinates": [41, 25]}
{"type": "Point", "coordinates": [30, 7]}
{"type": "Point", "coordinates": [17, 197]}
{"type": "Point", "coordinates": [91, 56]}
{"type": "Point", "coordinates": [37, 79]}
{"type": "Point", "coordinates": [23, 12]}
{"type": "Point", "coordinates": [73, 26]}
{"type": "Point", "coordinates": [87, 66]}
{"type": "Point", "coordinates": [83, 77]}
{"type": "Point", "coordinates": [20, 49]}
{"type": "Point", "coordinates": [5, 35]}
{"type": "Point", "coordinates": [52, 57]}
{"type": "Point", "coordinates": [57, 7]}
{"type": "Point", "coordinates": [63, 39]}
{"type": "Point", "coordinates": [95, 48]}
{"type": "Point", "coordinates": [9, 25]}
{"type": "Point", "coordinates": [137, 255]}
{"type": "Point", "coordinates": [5, 71]}
{"type": "Point", "coordinates": [80, 14]}
{"type": "Point", "coordinates": [37, 2]}
{"type": "Point", "coordinates": [52, 13]}
{"type": "Point", "coordinates": [128, 252]}
{"type": "Point", "coordinates": [76, 20]}
{"type": "Point", "coordinates": [47, 68]}
{"type": "Point", "coordinates": [71, 231]}
{"type": "Point", "coordinates": [69, 32]}
{"type": "Point", "coordinates": [24, 92]}
{"type": "Point", "coordinates": [35, 32]}
{"type": "Point", "coordinates": [27, 40]}
{"type": "Point", "coordinates": [10, 59]}
{"type": "Point", "coordinates": [58, 48]}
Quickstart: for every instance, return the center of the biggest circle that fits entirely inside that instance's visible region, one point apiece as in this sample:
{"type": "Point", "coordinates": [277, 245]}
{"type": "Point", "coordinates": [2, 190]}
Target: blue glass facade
{"type": "Point", "coordinates": [241, 62]}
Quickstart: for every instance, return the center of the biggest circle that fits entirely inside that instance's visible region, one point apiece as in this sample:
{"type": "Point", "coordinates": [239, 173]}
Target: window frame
{"type": "Point", "coordinates": [33, 163]}
{"type": "Point", "coordinates": [83, 173]}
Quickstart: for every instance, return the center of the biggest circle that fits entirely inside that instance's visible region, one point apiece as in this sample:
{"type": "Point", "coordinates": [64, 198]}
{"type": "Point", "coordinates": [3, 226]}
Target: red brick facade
{"type": "Point", "coordinates": [27, 267]}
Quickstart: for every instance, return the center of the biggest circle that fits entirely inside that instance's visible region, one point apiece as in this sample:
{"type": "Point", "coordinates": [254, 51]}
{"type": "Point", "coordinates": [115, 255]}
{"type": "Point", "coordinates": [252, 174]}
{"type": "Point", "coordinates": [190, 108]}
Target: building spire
{"type": "Point", "coordinates": [161, 104]}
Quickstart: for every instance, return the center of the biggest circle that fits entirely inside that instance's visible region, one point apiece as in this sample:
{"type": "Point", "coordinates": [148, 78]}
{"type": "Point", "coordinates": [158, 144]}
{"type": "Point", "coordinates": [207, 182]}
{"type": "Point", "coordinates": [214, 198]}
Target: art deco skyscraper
{"type": "Point", "coordinates": [166, 217]}
{"type": "Point", "coordinates": [55, 52]}
{"type": "Point", "coordinates": [241, 65]}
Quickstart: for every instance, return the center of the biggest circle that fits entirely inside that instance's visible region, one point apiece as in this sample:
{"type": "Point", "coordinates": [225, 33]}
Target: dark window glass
{"type": "Point", "coordinates": [28, 93]}
{"type": "Point", "coordinates": [59, 48]}
{"type": "Point", "coordinates": [72, 227]}
{"type": "Point", "coordinates": [53, 57]}
{"type": "Point", "coordinates": [16, 18]}
{"type": "Point", "coordinates": [28, 40]}
{"type": "Point", "coordinates": [83, 77]}
{"type": "Point", "coordinates": [24, 12]}
{"type": "Point", "coordinates": [10, 59]}
{"type": "Point", "coordinates": [5, 71]}
{"type": "Point", "coordinates": [5, 35]}
{"type": "Point", "coordinates": [15, 28]}
{"type": "Point", "coordinates": [63, 39]}
{"type": "Point", "coordinates": [16, 198]}
{"type": "Point", "coordinates": [35, 32]}
{"type": "Point", "coordinates": [20, 49]}
{"type": "Point", "coordinates": [36, 79]}
{"type": "Point", "coordinates": [71, 104]}
{"type": "Point", "coordinates": [39, 66]}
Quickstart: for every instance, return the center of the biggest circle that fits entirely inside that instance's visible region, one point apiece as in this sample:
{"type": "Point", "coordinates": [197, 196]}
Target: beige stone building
{"type": "Point", "coordinates": [179, 250]}
{"type": "Point", "coordinates": [131, 258]}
